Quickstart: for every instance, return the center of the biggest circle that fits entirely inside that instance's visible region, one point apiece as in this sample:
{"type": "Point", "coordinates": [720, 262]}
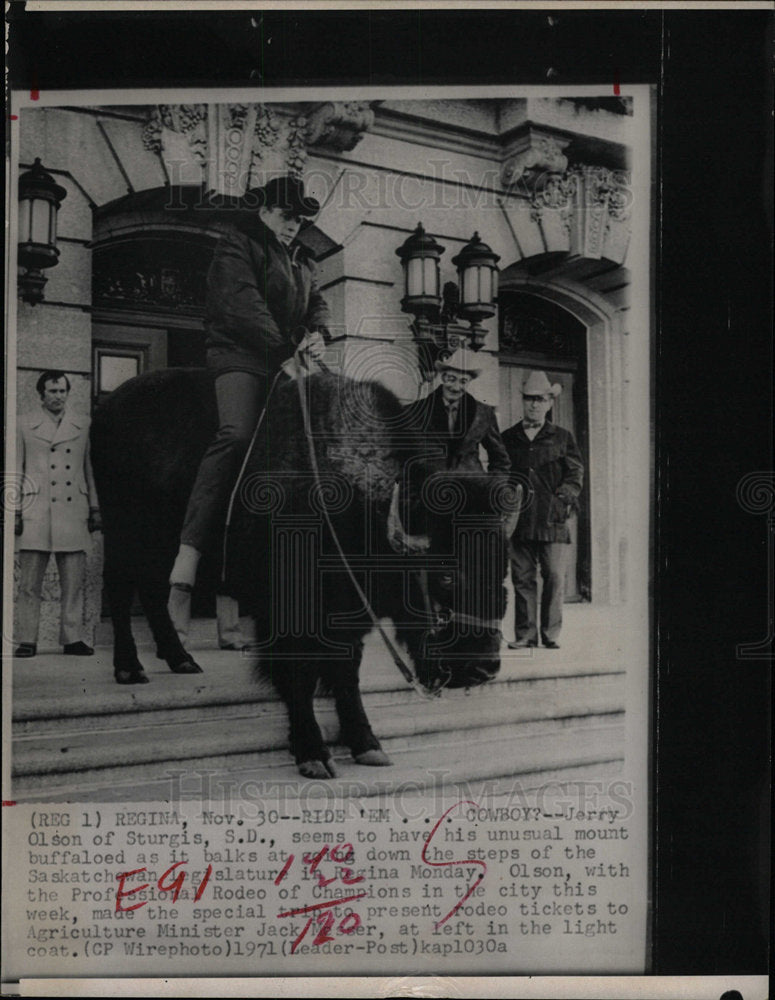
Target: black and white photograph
{"type": "Point", "coordinates": [335, 584]}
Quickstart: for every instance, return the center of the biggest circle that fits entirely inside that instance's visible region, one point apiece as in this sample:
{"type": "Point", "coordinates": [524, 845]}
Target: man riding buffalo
{"type": "Point", "coordinates": [316, 549]}
{"type": "Point", "coordinates": [263, 304]}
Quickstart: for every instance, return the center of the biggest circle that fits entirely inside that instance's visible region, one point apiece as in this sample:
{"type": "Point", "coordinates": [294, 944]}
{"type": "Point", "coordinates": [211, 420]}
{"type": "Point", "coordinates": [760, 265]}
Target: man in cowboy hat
{"type": "Point", "coordinates": [548, 462]}
{"type": "Point", "coordinates": [453, 424]}
{"type": "Point", "coordinates": [263, 304]}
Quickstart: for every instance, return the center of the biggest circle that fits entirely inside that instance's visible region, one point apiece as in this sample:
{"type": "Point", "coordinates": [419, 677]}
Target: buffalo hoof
{"type": "Point", "coordinates": [130, 675]}
{"type": "Point", "coordinates": [373, 758]}
{"type": "Point", "coordinates": [187, 666]}
{"type": "Point", "coordinates": [317, 769]}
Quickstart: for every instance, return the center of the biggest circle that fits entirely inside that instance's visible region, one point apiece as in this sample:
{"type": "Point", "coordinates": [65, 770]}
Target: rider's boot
{"type": "Point", "coordinates": [230, 634]}
{"type": "Point", "coordinates": [182, 580]}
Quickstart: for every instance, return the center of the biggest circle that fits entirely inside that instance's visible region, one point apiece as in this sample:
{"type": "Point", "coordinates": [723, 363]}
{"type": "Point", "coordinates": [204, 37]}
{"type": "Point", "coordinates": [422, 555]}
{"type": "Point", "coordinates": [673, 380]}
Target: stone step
{"type": "Point", "coordinates": [526, 755]}
{"type": "Point", "coordinates": [58, 687]}
{"type": "Point", "coordinates": [537, 697]}
{"type": "Point", "coordinates": [548, 714]}
{"type": "Point", "coordinates": [162, 736]}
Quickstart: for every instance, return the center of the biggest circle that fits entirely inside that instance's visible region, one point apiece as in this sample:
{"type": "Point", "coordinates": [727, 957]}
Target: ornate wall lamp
{"type": "Point", "coordinates": [471, 299]}
{"type": "Point", "coordinates": [39, 200]}
{"type": "Point", "coordinates": [477, 277]}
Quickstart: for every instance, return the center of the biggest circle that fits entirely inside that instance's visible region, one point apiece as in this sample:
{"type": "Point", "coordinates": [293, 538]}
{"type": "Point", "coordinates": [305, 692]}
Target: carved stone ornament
{"type": "Point", "coordinates": [230, 147]}
{"type": "Point", "coordinates": [177, 132]}
{"type": "Point", "coordinates": [339, 125]}
{"type": "Point", "coordinates": [600, 220]}
{"type": "Point", "coordinates": [555, 192]}
{"type": "Point", "coordinates": [592, 206]}
{"type": "Point", "coordinates": [543, 155]}
{"type": "Point", "coordinates": [181, 119]}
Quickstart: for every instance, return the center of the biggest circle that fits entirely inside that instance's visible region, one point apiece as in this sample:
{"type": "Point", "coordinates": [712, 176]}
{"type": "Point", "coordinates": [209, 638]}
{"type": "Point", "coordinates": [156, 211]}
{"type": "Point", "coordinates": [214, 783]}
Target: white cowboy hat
{"type": "Point", "coordinates": [460, 360]}
{"type": "Point", "coordinates": [537, 384]}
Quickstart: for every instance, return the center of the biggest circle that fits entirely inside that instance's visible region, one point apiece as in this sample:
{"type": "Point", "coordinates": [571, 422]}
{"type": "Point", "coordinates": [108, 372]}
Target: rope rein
{"type": "Point", "coordinates": [395, 654]}
{"type": "Point", "coordinates": [392, 649]}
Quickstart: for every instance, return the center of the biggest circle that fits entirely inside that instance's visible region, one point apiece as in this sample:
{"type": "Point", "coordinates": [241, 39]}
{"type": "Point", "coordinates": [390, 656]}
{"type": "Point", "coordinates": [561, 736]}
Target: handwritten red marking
{"type": "Point", "coordinates": [444, 864]}
{"type": "Point", "coordinates": [13, 118]}
{"type": "Point", "coordinates": [286, 869]}
{"type": "Point", "coordinates": [302, 935]}
{"type": "Point", "coordinates": [312, 862]}
{"type": "Point", "coordinates": [356, 923]}
{"type": "Point", "coordinates": [327, 922]}
{"type": "Point", "coordinates": [617, 88]}
{"type": "Point", "coordinates": [339, 901]}
{"type": "Point", "coordinates": [323, 882]}
{"type": "Point", "coordinates": [349, 879]}
{"type": "Point", "coordinates": [312, 866]}
{"type": "Point", "coordinates": [327, 919]}
{"type": "Point", "coordinates": [174, 886]}
{"type": "Point", "coordinates": [9, 802]}
{"type": "Point", "coordinates": [177, 882]}
{"type": "Point", "coordinates": [336, 855]}
{"type": "Point", "coordinates": [128, 892]}
{"type": "Point", "coordinates": [203, 883]}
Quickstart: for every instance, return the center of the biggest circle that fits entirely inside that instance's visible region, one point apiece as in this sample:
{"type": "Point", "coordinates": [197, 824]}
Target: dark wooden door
{"type": "Point", "coordinates": [536, 335]}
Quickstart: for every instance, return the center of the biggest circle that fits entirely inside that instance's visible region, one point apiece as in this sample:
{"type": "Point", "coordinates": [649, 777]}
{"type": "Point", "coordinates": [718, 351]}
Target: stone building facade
{"type": "Point", "coordinates": [545, 181]}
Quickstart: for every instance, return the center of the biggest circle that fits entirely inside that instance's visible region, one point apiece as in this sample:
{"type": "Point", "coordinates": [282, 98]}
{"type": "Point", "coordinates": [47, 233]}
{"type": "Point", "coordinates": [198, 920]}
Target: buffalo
{"type": "Point", "coordinates": [340, 518]}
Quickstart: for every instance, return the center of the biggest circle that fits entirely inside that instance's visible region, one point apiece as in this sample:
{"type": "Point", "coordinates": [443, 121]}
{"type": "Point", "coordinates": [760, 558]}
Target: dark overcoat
{"type": "Point", "coordinates": [259, 297]}
{"type": "Point", "coordinates": [476, 425]}
{"type": "Point", "coordinates": [551, 468]}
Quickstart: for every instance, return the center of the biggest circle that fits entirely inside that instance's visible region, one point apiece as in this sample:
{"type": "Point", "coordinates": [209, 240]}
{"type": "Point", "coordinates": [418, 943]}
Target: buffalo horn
{"type": "Point", "coordinates": [399, 540]}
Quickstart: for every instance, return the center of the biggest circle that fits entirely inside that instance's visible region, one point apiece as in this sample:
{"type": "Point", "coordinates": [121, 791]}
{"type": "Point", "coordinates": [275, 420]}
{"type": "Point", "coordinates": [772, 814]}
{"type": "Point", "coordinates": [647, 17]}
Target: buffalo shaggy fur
{"type": "Point", "coordinates": [147, 440]}
{"type": "Point", "coordinates": [282, 560]}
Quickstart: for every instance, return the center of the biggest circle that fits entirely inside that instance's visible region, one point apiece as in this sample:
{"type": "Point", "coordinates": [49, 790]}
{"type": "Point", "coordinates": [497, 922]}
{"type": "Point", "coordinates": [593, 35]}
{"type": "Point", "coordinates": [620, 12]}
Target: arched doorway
{"type": "Point", "coordinates": [151, 254]}
{"type": "Point", "coordinates": [148, 304]}
{"type": "Point", "coordinates": [590, 309]}
{"type": "Point", "coordinates": [536, 334]}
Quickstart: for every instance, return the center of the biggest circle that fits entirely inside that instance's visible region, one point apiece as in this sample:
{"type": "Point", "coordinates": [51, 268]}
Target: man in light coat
{"type": "Point", "coordinates": [58, 509]}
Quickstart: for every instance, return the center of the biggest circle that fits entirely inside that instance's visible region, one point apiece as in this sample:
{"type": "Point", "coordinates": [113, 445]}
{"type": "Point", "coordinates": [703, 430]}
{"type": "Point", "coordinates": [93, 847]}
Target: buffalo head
{"type": "Point", "coordinates": [453, 528]}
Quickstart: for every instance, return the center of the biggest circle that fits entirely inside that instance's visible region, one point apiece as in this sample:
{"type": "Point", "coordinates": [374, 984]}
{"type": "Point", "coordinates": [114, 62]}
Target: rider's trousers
{"type": "Point", "coordinates": [240, 396]}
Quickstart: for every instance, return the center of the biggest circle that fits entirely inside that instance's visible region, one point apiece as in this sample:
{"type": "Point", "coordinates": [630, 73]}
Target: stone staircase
{"type": "Point", "coordinates": [550, 715]}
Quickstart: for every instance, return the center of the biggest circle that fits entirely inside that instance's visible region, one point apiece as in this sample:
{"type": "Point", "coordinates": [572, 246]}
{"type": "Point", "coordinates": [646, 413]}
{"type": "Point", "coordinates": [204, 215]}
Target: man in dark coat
{"type": "Point", "coordinates": [452, 424]}
{"type": "Point", "coordinates": [545, 458]}
{"type": "Point", "coordinates": [263, 304]}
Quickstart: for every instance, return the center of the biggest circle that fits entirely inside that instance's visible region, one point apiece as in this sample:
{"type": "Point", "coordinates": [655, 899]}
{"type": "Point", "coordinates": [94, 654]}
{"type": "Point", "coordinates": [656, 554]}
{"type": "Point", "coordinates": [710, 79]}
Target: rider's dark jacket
{"type": "Point", "coordinates": [259, 297]}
